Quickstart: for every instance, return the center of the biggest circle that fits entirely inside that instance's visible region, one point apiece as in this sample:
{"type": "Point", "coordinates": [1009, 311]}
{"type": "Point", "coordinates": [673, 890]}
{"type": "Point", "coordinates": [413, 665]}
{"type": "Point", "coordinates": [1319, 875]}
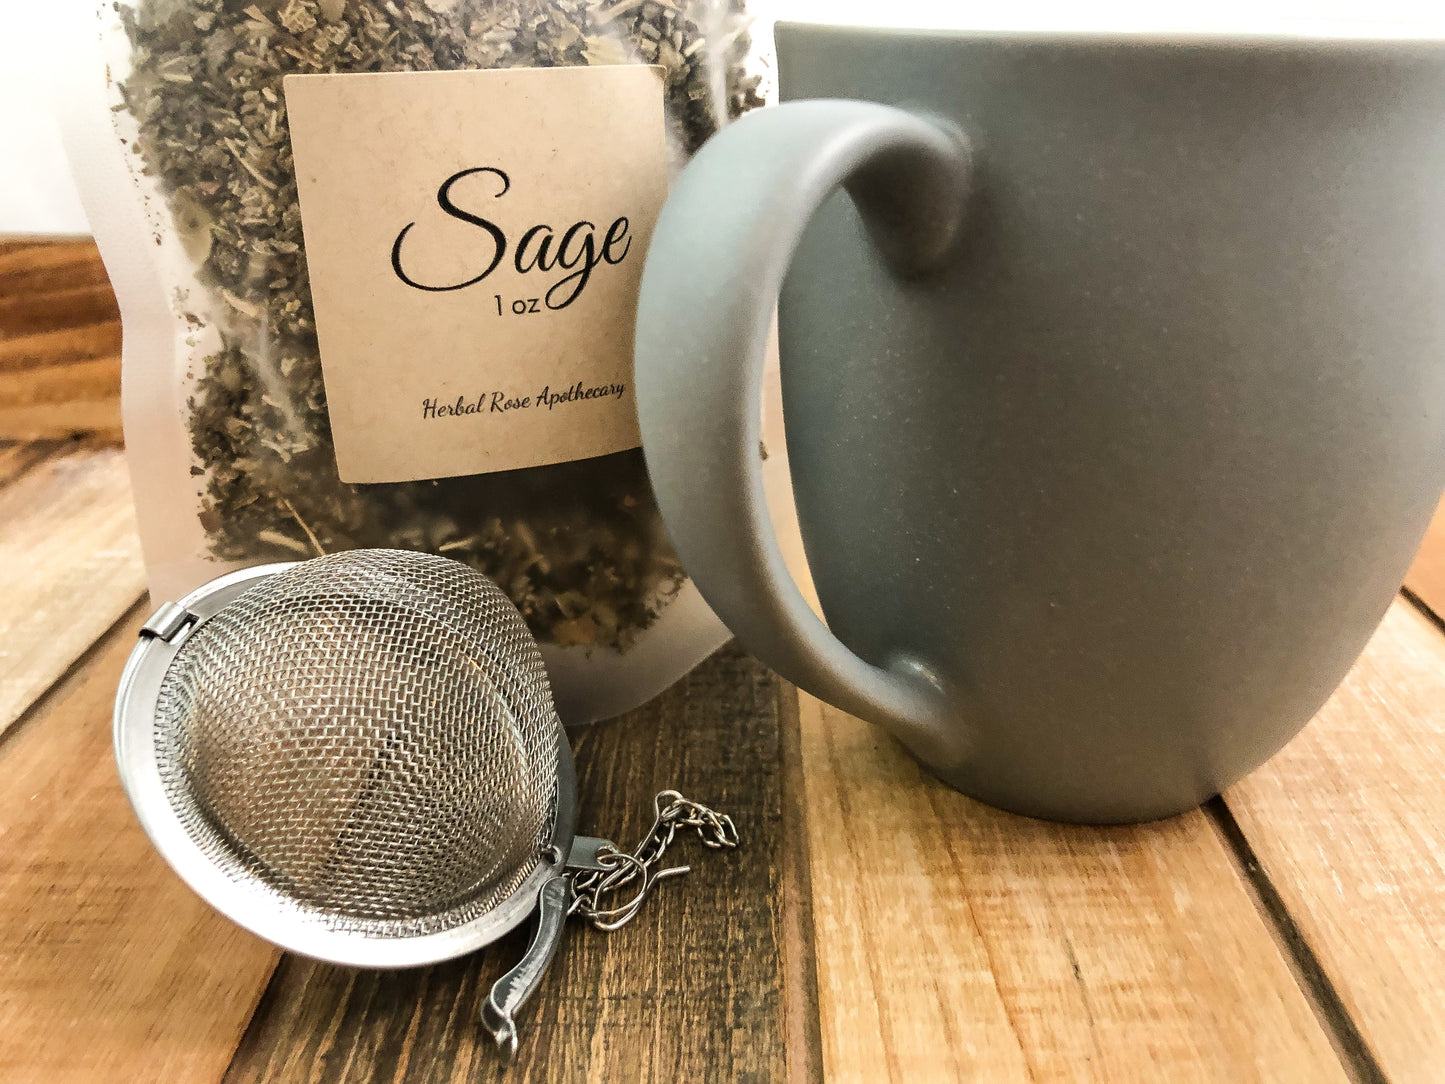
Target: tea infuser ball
{"type": "Point", "coordinates": [357, 758]}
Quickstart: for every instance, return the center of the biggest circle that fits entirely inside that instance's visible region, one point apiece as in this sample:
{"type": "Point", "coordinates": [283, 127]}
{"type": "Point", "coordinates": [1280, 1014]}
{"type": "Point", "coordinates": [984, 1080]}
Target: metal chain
{"type": "Point", "coordinates": [671, 812]}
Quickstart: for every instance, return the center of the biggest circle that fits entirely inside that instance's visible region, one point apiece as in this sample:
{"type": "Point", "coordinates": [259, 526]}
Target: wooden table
{"type": "Point", "coordinates": [874, 925]}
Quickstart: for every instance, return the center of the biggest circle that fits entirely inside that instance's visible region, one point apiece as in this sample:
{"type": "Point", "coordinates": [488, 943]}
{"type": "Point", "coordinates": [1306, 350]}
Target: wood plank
{"type": "Point", "coordinates": [957, 942]}
{"type": "Point", "coordinates": [110, 968]}
{"type": "Point", "coordinates": [70, 306]}
{"type": "Point", "coordinates": [1348, 822]}
{"type": "Point", "coordinates": [693, 989]}
{"type": "Point", "coordinates": [43, 266]}
{"type": "Point", "coordinates": [70, 566]}
{"type": "Point", "coordinates": [1426, 578]}
{"type": "Point", "coordinates": [56, 399]}
{"type": "Point", "coordinates": [59, 346]}
{"type": "Point", "coordinates": [60, 339]}
{"type": "Point", "coordinates": [98, 417]}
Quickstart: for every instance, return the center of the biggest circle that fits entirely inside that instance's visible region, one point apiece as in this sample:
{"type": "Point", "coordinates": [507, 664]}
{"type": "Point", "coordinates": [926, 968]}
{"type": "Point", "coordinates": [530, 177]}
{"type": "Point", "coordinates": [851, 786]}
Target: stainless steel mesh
{"type": "Point", "coordinates": [367, 738]}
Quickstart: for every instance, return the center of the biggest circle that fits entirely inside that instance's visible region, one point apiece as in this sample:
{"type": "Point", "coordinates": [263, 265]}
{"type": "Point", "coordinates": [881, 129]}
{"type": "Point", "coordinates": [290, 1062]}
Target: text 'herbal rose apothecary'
{"type": "Point", "coordinates": [378, 264]}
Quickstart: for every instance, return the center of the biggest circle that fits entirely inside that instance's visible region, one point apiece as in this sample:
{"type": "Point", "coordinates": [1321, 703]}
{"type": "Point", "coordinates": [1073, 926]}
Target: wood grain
{"type": "Point", "coordinates": [1348, 822]}
{"type": "Point", "coordinates": [18, 456]}
{"type": "Point", "coordinates": [800, 968]}
{"type": "Point", "coordinates": [38, 266]}
{"type": "Point", "coordinates": [110, 968]}
{"type": "Point", "coordinates": [36, 311]}
{"type": "Point", "coordinates": [60, 341]}
{"type": "Point", "coordinates": [59, 344]}
{"type": "Point", "coordinates": [956, 942]}
{"type": "Point", "coordinates": [93, 412]}
{"type": "Point", "coordinates": [70, 566]}
{"type": "Point", "coordinates": [692, 990]}
{"type": "Point", "coordinates": [1426, 578]}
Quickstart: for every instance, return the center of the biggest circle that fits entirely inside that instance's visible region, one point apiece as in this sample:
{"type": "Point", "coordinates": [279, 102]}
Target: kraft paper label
{"type": "Point", "coordinates": [475, 242]}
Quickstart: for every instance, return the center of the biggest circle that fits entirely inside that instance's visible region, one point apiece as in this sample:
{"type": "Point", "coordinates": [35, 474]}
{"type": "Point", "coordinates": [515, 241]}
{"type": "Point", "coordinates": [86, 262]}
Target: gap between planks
{"type": "Point", "coordinates": [803, 1021]}
{"type": "Point", "coordinates": [1348, 824]}
{"type": "Point", "coordinates": [1425, 582]}
{"type": "Point", "coordinates": [1344, 827]}
{"type": "Point", "coordinates": [1350, 1045]}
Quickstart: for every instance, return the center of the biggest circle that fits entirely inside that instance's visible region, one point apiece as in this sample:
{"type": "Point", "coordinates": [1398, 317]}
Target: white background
{"type": "Point", "coordinates": [36, 195]}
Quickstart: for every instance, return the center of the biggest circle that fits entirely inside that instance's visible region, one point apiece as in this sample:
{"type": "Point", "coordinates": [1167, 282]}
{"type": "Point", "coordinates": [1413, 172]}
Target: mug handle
{"type": "Point", "coordinates": [720, 250]}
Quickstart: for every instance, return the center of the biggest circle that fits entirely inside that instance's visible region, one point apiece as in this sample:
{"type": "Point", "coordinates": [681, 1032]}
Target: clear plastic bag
{"type": "Point", "coordinates": [188, 179]}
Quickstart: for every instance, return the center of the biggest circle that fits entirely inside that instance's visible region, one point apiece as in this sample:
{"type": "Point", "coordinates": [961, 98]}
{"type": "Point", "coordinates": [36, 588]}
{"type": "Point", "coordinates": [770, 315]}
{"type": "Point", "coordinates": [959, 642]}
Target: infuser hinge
{"type": "Point", "coordinates": [587, 852]}
{"type": "Point", "coordinates": [168, 622]}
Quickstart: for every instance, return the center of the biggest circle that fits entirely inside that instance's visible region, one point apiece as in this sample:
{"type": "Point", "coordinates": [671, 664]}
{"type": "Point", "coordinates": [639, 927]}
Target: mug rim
{"type": "Point", "coordinates": [1343, 37]}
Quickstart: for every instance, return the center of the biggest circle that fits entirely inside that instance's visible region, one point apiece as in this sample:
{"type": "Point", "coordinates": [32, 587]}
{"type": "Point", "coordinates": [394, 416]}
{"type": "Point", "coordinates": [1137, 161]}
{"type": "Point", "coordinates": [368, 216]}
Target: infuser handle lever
{"type": "Point", "coordinates": [510, 992]}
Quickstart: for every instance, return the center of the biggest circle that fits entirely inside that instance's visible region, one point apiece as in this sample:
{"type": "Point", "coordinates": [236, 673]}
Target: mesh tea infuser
{"type": "Point", "coordinates": [357, 758]}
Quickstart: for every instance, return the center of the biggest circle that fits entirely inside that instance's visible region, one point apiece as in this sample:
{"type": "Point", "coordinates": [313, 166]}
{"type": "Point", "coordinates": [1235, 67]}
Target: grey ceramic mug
{"type": "Point", "coordinates": [1113, 380]}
